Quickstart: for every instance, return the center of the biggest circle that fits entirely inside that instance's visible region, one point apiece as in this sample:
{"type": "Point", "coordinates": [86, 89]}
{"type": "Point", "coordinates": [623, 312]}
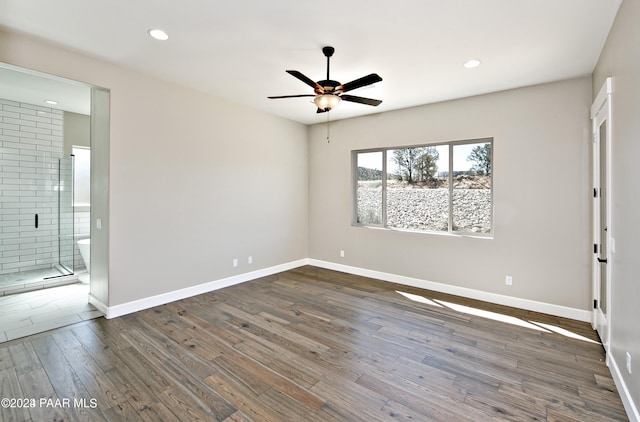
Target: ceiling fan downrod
{"type": "Point", "coordinates": [328, 52]}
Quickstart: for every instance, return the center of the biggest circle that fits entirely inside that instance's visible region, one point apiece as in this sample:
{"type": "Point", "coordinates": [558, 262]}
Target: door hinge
{"type": "Point", "coordinates": [595, 304]}
{"type": "Point", "coordinates": [595, 248]}
{"type": "Point", "coordinates": [595, 192]}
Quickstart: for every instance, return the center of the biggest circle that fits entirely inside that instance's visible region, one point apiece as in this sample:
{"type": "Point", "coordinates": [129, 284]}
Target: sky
{"type": "Point", "coordinates": [373, 160]}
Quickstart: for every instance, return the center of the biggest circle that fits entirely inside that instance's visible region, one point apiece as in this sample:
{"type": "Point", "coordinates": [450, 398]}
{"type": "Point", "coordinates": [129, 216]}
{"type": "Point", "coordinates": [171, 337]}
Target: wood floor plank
{"type": "Point", "coordinates": [61, 375]}
{"type": "Point", "coordinates": [133, 389]}
{"type": "Point", "coordinates": [431, 406]}
{"type": "Point", "coordinates": [66, 340]}
{"type": "Point", "coordinates": [99, 387]}
{"type": "Point", "coordinates": [278, 362]}
{"type": "Point", "coordinates": [185, 405]}
{"type": "Point", "coordinates": [23, 357]}
{"type": "Point", "coordinates": [35, 384]}
{"type": "Point", "coordinates": [238, 416]}
{"type": "Point", "coordinates": [169, 348]}
{"type": "Point", "coordinates": [309, 370]}
{"type": "Point", "coordinates": [122, 412]}
{"type": "Point", "coordinates": [351, 401]}
{"type": "Point", "coordinates": [5, 359]}
{"type": "Point", "coordinates": [156, 412]}
{"type": "Point", "coordinates": [10, 388]}
{"type": "Point", "coordinates": [271, 379]}
{"type": "Point", "coordinates": [186, 390]}
{"type": "Point", "coordinates": [236, 392]}
{"type": "Point", "coordinates": [399, 413]}
{"type": "Point", "coordinates": [311, 344]}
{"type": "Point", "coordinates": [292, 409]}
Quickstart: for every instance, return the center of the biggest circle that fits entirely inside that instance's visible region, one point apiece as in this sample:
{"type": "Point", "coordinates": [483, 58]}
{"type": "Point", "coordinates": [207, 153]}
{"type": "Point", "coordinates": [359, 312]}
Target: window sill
{"type": "Point", "coordinates": [446, 234]}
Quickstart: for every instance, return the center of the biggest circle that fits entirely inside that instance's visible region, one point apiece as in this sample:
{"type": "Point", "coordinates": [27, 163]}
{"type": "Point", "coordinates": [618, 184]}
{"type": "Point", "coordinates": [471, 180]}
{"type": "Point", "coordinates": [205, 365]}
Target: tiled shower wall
{"type": "Point", "coordinates": [31, 142]}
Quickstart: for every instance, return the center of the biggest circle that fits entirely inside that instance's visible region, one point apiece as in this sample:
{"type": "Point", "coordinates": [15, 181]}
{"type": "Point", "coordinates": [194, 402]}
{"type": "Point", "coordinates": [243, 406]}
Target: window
{"type": "Point", "coordinates": [81, 176]}
{"type": "Point", "coordinates": [435, 188]}
{"type": "Point", "coordinates": [369, 188]}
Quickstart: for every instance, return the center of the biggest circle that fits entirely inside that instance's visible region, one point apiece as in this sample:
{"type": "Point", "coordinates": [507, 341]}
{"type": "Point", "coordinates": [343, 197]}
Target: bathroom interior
{"type": "Point", "coordinates": [45, 161]}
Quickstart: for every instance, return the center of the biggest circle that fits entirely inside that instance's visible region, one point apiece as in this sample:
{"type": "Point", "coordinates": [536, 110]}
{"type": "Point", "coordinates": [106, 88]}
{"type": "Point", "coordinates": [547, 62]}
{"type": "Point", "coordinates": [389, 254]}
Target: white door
{"type": "Point", "coordinates": [601, 117]}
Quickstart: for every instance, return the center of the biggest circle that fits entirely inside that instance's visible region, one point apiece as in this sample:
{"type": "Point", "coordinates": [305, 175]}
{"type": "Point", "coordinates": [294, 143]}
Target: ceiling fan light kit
{"type": "Point", "coordinates": [328, 93]}
{"type": "Point", "coordinates": [326, 102]}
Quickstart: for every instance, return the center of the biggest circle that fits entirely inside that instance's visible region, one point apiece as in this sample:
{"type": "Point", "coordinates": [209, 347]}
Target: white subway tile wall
{"type": "Point", "coordinates": [31, 142]}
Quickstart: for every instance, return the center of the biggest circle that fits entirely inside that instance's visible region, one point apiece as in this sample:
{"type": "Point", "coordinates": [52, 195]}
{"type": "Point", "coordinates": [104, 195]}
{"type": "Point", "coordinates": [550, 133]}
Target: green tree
{"type": "Point", "coordinates": [426, 165]}
{"type": "Point", "coordinates": [416, 164]}
{"type": "Point", "coordinates": [481, 156]}
{"type": "Point", "coordinates": [406, 159]}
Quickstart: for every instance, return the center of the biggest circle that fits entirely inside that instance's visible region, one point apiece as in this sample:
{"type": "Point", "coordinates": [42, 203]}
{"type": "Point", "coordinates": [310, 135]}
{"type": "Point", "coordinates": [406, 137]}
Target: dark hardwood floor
{"type": "Point", "coordinates": [312, 345]}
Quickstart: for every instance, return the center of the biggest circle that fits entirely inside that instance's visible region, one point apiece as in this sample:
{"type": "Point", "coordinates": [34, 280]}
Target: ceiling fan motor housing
{"type": "Point", "coordinates": [328, 87]}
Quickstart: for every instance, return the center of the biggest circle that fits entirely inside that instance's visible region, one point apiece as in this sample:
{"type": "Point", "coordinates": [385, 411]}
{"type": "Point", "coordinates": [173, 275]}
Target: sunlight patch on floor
{"type": "Point", "coordinates": [565, 332]}
{"type": "Point", "coordinates": [417, 298]}
{"type": "Point", "coordinates": [533, 325]}
{"type": "Point", "coordinates": [491, 315]}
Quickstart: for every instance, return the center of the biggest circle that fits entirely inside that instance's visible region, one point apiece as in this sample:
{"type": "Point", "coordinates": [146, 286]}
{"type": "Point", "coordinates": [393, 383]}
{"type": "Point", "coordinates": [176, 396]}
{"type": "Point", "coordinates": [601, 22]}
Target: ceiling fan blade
{"type": "Point", "coordinates": [361, 100]}
{"type": "Point", "coordinates": [305, 79]}
{"type": "Point", "coordinates": [292, 96]}
{"type": "Point", "coordinates": [359, 83]}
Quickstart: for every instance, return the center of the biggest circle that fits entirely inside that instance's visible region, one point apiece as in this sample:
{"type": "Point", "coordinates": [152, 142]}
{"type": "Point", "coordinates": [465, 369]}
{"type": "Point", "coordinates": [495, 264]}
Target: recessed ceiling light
{"type": "Point", "coordinates": [51, 102]}
{"type": "Point", "coordinates": [472, 63]}
{"type": "Point", "coordinates": [158, 34]}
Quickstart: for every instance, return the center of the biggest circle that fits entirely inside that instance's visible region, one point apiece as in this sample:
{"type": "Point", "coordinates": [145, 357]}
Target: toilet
{"type": "Point", "coordinates": [84, 246]}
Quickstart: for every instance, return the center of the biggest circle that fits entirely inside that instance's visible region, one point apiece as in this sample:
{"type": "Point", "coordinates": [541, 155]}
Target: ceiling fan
{"type": "Point", "coordinates": [328, 93]}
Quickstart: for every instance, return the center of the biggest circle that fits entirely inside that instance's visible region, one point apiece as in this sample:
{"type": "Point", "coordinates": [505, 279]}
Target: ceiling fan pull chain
{"type": "Point", "coordinates": [328, 133]}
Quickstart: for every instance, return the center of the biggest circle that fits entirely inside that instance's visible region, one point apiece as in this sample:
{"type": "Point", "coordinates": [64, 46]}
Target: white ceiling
{"type": "Point", "coordinates": [239, 50]}
{"type": "Point", "coordinates": [35, 88]}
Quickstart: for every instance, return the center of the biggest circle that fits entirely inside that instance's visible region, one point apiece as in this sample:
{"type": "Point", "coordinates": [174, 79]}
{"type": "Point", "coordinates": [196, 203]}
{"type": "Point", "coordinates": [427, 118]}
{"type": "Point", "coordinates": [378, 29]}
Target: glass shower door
{"type": "Point", "coordinates": [65, 215]}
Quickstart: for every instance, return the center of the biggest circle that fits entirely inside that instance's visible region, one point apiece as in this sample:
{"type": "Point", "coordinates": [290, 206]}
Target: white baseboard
{"type": "Point", "coordinates": [629, 406]}
{"type": "Point", "coordinates": [161, 299]}
{"type": "Point", "coordinates": [530, 305]}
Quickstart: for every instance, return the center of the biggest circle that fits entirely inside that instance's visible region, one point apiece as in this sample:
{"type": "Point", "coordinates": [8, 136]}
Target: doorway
{"type": "Point", "coordinates": [57, 99]}
{"type": "Point", "coordinates": [603, 244]}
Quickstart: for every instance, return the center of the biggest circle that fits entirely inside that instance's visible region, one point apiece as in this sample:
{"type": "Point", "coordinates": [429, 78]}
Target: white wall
{"type": "Point", "coordinates": [620, 59]}
{"type": "Point", "coordinates": [193, 181]}
{"type": "Point", "coordinates": [541, 194]}
{"type": "Point", "coordinates": [76, 131]}
{"type": "Point", "coordinates": [196, 182]}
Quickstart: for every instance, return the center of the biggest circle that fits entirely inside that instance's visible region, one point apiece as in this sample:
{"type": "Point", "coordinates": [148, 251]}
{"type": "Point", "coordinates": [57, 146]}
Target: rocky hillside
{"type": "Point", "coordinates": [416, 207]}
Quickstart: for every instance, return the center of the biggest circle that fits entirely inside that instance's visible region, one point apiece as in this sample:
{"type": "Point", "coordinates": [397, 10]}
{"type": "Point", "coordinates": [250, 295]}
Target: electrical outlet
{"type": "Point", "coordinates": [508, 280]}
{"type": "Point", "coordinates": [341, 253]}
{"type": "Point", "coordinates": [250, 260]}
{"type": "Point", "coordinates": [628, 362]}
{"type": "Point", "coordinates": [235, 262]}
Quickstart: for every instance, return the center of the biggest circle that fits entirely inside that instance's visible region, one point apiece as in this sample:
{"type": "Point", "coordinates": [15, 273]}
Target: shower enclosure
{"type": "Point", "coordinates": [36, 200]}
{"type": "Point", "coordinates": [65, 216]}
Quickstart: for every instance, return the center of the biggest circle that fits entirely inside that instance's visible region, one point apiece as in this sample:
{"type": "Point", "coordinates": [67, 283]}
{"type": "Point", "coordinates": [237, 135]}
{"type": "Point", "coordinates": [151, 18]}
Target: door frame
{"type": "Point", "coordinates": [601, 112]}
